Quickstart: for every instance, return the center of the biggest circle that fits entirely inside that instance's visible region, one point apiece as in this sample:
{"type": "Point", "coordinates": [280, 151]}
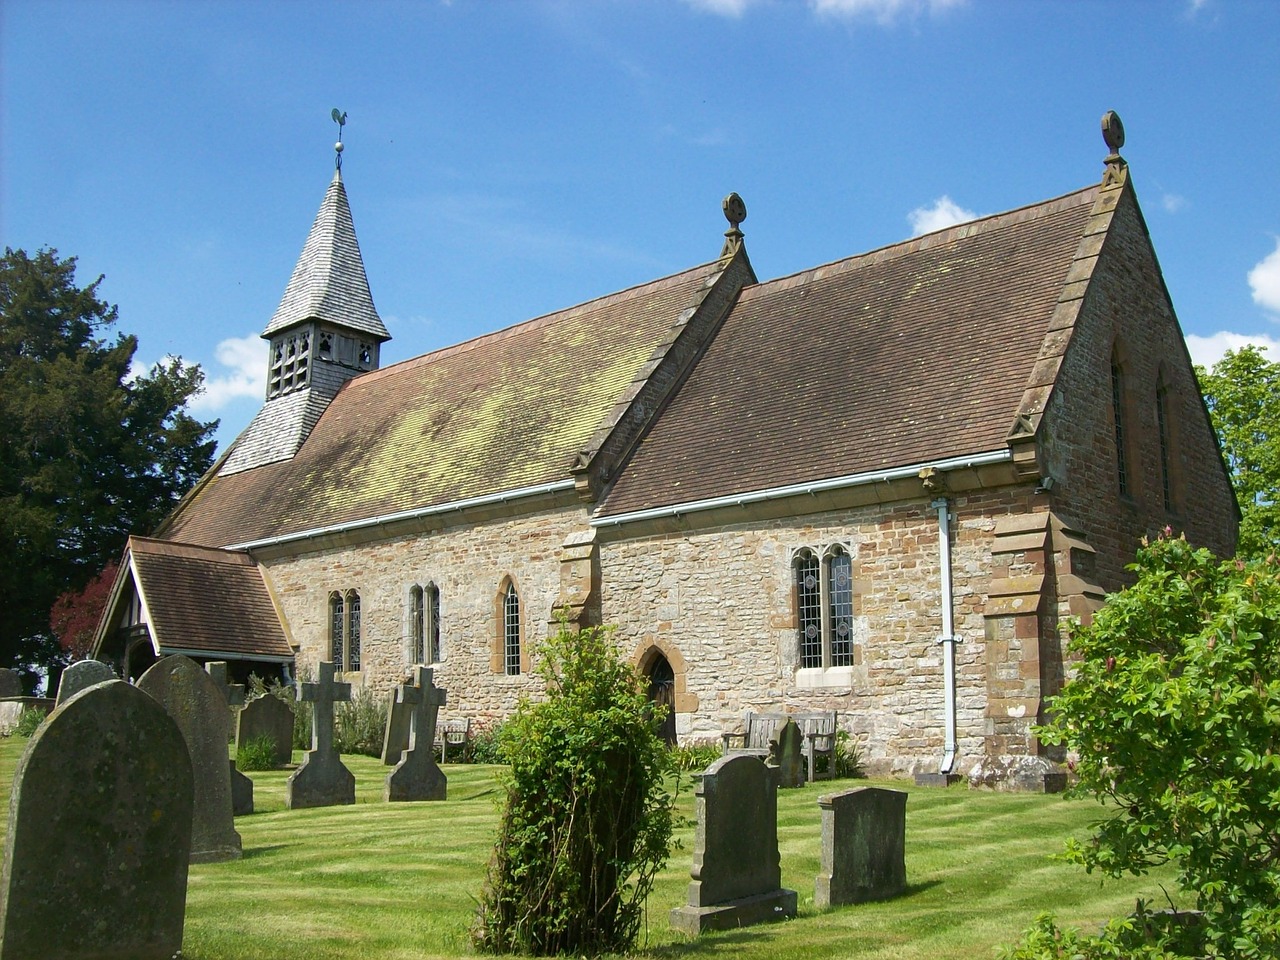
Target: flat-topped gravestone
{"type": "Point", "coordinates": [321, 780]}
{"type": "Point", "coordinates": [737, 878]}
{"type": "Point", "coordinates": [95, 860]}
{"type": "Point", "coordinates": [197, 706]}
{"type": "Point", "coordinates": [81, 675]}
{"type": "Point", "coordinates": [863, 846]}
{"type": "Point", "coordinates": [395, 739]}
{"type": "Point", "coordinates": [417, 776]}
{"type": "Point", "coordinates": [787, 753]}
{"type": "Point", "coordinates": [10, 683]}
{"type": "Point", "coordinates": [233, 694]}
{"type": "Point", "coordinates": [268, 717]}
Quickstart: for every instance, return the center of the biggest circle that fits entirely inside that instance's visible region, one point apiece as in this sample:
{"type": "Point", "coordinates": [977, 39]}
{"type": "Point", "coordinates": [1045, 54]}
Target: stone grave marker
{"type": "Point", "coordinates": [268, 717]}
{"type": "Point", "coordinates": [737, 877]}
{"type": "Point", "coordinates": [95, 860]}
{"type": "Point", "coordinates": [863, 846]}
{"type": "Point", "coordinates": [786, 752]}
{"type": "Point", "coordinates": [395, 740]}
{"type": "Point", "coordinates": [80, 675]}
{"type": "Point", "coordinates": [10, 683]}
{"type": "Point", "coordinates": [233, 694]}
{"type": "Point", "coordinates": [417, 776]}
{"type": "Point", "coordinates": [321, 780]}
{"type": "Point", "coordinates": [197, 706]}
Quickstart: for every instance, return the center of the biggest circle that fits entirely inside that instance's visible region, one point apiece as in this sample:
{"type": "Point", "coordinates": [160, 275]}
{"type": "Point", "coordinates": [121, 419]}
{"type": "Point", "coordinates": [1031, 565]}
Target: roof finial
{"type": "Point", "coordinates": [1113, 136]}
{"type": "Point", "coordinates": [340, 118]}
{"type": "Point", "coordinates": [735, 211]}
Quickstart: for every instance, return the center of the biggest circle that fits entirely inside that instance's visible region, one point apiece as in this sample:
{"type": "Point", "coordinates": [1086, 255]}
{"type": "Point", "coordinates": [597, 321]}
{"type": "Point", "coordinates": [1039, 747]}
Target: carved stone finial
{"type": "Point", "coordinates": [735, 211]}
{"type": "Point", "coordinates": [1113, 135]}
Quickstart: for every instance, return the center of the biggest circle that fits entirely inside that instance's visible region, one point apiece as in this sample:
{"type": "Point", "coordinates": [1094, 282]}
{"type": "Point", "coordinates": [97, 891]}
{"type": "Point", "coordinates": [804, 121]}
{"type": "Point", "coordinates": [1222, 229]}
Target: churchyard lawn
{"type": "Point", "coordinates": [381, 881]}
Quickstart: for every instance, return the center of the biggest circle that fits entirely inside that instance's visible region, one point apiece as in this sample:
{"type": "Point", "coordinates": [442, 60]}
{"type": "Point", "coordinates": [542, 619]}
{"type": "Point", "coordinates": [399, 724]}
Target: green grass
{"type": "Point", "coordinates": [398, 881]}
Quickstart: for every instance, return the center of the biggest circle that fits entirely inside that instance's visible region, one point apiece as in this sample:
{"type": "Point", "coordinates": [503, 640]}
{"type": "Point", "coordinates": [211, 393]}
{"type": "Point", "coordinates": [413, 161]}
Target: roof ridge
{"type": "Point", "coordinates": [192, 551]}
{"type": "Point", "coordinates": [534, 323]}
{"type": "Point", "coordinates": [892, 251]}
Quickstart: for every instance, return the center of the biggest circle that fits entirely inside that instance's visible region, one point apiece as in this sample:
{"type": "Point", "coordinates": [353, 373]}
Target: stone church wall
{"type": "Point", "coordinates": [722, 599]}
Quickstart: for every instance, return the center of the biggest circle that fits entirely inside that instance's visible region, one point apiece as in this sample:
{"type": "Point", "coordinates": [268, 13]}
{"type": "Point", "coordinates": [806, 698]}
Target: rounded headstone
{"type": "Point", "coordinates": [81, 675]}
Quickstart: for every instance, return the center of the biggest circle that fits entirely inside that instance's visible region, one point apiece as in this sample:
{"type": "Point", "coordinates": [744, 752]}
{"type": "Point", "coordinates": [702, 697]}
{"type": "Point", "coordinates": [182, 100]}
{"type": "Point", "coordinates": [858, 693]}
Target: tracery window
{"type": "Point", "coordinates": [511, 630]}
{"type": "Point", "coordinates": [416, 625]}
{"type": "Point", "coordinates": [290, 364]}
{"type": "Point", "coordinates": [424, 623]}
{"type": "Point", "coordinates": [344, 630]}
{"type": "Point", "coordinates": [433, 623]}
{"type": "Point", "coordinates": [824, 608]}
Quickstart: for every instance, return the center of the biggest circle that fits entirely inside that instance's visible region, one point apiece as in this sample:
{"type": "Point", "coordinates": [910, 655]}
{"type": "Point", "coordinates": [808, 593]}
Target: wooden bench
{"type": "Point", "coordinates": [818, 730]}
{"type": "Point", "coordinates": [454, 733]}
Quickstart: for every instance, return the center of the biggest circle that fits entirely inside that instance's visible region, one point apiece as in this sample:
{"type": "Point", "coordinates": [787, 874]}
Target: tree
{"type": "Point", "coordinates": [91, 452]}
{"type": "Point", "coordinates": [588, 815]}
{"type": "Point", "coordinates": [76, 613]}
{"type": "Point", "coordinates": [1173, 723]}
{"type": "Point", "coordinates": [1243, 396]}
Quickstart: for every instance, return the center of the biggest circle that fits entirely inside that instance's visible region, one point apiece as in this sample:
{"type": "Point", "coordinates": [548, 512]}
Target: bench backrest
{"type": "Point", "coordinates": [762, 728]}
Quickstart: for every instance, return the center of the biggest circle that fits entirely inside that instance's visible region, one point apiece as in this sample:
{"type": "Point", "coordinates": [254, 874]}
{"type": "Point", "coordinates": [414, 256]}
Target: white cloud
{"type": "Point", "coordinates": [244, 360]}
{"type": "Point", "coordinates": [944, 213]}
{"type": "Point", "coordinates": [1172, 202]}
{"type": "Point", "coordinates": [882, 11]}
{"type": "Point", "coordinates": [723, 8]}
{"type": "Point", "coordinates": [1207, 351]}
{"type": "Point", "coordinates": [1264, 281]}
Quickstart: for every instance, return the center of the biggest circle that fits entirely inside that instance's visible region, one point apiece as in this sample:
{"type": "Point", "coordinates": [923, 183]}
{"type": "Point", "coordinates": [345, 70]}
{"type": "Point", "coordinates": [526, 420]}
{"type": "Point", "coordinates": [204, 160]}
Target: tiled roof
{"type": "Point", "coordinates": [329, 282]}
{"type": "Point", "coordinates": [207, 601]}
{"type": "Point", "coordinates": [505, 411]}
{"type": "Point", "coordinates": [913, 353]}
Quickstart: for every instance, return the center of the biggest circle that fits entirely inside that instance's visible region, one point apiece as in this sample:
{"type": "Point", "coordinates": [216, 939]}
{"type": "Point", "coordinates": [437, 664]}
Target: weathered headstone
{"type": "Point", "coordinates": [787, 753]}
{"type": "Point", "coordinates": [196, 704]}
{"type": "Point", "coordinates": [81, 675]}
{"type": "Point", "coordinates": [95, 860]}
{"type": "Point", "coordinates": [321, 780]}
{"type": "Point", "coordinates": [268, 717]}
{"type": "Point", "coordinates": [233, 694]}
{"type": "Point", "coordinates": [737, 878]}
{"type": "Point", "coordinates": [395, 739]}
{"type": "Point", "coordinates": [10, 683]}
{"type": "Point", "coordinates": [863, 846]}
{"type": "Point", "coordinates": [417, 776]}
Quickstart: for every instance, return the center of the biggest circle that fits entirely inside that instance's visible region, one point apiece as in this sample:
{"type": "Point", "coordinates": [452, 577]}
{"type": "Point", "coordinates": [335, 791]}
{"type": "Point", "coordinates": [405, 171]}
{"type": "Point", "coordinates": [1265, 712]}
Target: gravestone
{"type": "Point", "coordinates": [786, 752]}
{"type": "Point", "coordinates": [737, 879]}
{"type": "Point", "coordinates": [395, 739]}
{"type": "Point", "coordinates": [95, 860]}
{"type": "Point", "coordinates": [81, 675]}
{"type": "Point", "coordinates": [233, 694]}
{"type": "Point", "coordinates": [417, 776]}
{"type": "Point", "coordinates": [863, 846]}
{"type": "Point", "coordinates": [321, 780]}
{"type": "Point", "coordinates": [197, 706]}
{"type": "Point", "coordinates": [268, 717]}
{"type": "Point", "coordinates": [10, 683]}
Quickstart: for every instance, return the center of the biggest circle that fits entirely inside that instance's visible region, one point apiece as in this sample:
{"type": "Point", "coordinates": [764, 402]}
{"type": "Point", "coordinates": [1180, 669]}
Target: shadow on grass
{"type": "Point", "coordinates": [722, 941]}
{"type": "Point", "coordinates": [250, 852]}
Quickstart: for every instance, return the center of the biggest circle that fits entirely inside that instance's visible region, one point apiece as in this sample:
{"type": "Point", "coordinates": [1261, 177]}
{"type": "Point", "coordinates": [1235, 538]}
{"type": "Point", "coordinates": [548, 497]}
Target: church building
{"type": "Point", "coordinates": [882, 486]}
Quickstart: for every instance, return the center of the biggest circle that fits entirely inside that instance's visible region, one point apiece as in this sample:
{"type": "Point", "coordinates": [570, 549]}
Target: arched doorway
{"type": "Point", "coordinates": [662, 689]}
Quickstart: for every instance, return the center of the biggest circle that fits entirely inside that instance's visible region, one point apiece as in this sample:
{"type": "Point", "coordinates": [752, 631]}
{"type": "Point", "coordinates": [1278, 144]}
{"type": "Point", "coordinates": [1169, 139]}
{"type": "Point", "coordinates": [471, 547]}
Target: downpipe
{"type": "Point", "coordinates": [948, 640]}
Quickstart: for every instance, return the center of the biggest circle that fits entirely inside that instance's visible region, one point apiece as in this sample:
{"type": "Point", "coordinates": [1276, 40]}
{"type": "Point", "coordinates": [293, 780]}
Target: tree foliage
{"type": "Point", "coordinates": [75, 615]}
{"type": "Point", "coordinates": [1243, 395]}
{"type": "Point", "coordinates": [589, 813]}
{"type": "Point", "coordinates": [1173, 722]}
{"type": "Point", "coordinates": [91, 451]}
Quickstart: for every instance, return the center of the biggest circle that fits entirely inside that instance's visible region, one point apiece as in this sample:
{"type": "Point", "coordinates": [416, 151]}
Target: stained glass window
{"type": "Point", "coordinates": [511, 630]}
{"type": "Point", "coordinates": [337, 621]}
{"type": "Point", "coordinates": [809, 608]}
{"type": "Point", "coordinates": [840, 604]}
{"type": "Point", "coordinates": [433, 622]}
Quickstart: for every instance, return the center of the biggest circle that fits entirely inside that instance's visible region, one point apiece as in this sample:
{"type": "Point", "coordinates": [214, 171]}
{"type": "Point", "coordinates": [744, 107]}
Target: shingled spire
{"type": "Point", "coordinates": [325, 331]}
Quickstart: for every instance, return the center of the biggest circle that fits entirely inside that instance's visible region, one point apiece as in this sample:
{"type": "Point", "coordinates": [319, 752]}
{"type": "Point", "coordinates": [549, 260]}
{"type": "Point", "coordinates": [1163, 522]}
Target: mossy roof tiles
{"type": "Point", "coordinates": [913, 353]}
{"type": "Point", "coordinates": [502, 412]}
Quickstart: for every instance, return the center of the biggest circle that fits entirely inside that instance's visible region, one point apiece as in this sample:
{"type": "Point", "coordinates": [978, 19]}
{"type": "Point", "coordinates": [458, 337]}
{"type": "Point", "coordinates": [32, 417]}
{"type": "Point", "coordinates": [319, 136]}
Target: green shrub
{"type": "Point", "coordinates": [359, 724]}
{"type": "Point", "coordinates": [1141, 936]}
{"type": "Point", "coordinates": [848, 756]}
{"type": "Point", "coordinates": [485, 744]}
{"type": "Point", "coordinates": [1172, 722]}
{"type": "Point", "coordinates": [29, 721]}
{"type": "Point", "coordinates": [696, 756]}
{"type": "Point", "coordinates": [588, 815]}
{"type": "Point", "coordinates": [258, 753]}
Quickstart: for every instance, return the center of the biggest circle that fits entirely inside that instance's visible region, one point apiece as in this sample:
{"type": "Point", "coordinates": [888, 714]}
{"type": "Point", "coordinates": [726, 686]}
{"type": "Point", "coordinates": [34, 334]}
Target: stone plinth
{"type": "Point", "coordinates": [417, 776]}
{"type": "Point", "coordinates": [322, 780]}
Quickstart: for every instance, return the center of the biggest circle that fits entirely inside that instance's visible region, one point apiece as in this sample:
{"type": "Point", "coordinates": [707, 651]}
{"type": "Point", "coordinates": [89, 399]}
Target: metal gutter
{"type": "Point", "coordinates": [450, 507]}
{"type": "Point", "coordinates": [798, 489]}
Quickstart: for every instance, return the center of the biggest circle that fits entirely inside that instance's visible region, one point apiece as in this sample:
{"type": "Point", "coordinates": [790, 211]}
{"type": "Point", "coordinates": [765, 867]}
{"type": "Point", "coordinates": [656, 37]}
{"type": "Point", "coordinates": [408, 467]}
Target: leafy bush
{"type": "Point", "coordinates": [287, 693]}
{"type": "Point", "coordinates": [1172, 720]}
{"type": "Point", "coordinates": [1141, 936]}
{"type": "Point", "coordinates": [485, 744]}
{"type": "Point", "coordinates": [359, 724]}
{"type": "Point", "coordinates": [588, 815]}
{"type": "Point", "coordinates": [696, 756]}
{"type": "Point", "coordinates": [258, 753]}
{"type": "Point", "coordinates": [29, 721]}
{"type": "Point", "coordinates": [848, 756]}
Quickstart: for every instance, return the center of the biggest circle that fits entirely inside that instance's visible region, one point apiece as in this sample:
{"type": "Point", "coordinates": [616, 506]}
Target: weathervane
{"type": "Point", "coordinates": [340, 118]}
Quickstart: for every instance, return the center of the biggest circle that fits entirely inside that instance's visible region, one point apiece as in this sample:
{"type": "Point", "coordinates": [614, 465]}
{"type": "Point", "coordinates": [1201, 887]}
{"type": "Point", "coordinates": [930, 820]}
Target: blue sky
{"type": "Point", "coordinates": [506, 159]}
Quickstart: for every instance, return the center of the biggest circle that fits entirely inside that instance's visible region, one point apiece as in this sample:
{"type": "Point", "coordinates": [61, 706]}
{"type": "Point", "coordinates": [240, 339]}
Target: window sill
{"type": "Point", "coordinates": [816, 678]}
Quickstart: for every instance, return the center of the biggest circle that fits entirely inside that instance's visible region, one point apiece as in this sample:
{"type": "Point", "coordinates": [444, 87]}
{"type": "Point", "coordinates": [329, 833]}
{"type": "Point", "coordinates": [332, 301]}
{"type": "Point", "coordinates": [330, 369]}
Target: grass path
{"type": "Point", "coordinates": [398, 881]}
